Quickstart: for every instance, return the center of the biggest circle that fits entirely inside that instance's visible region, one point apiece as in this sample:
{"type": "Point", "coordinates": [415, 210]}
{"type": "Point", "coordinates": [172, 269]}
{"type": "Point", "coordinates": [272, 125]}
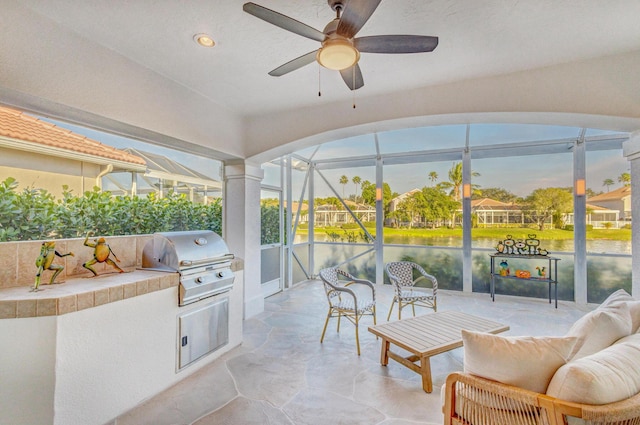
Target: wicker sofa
{"type": "Point", "coordinates": [589, 376]}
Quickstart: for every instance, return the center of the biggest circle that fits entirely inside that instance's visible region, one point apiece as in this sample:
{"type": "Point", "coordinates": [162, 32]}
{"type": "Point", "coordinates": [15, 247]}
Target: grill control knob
{"type": "Point", "coordinates": [199, 279]}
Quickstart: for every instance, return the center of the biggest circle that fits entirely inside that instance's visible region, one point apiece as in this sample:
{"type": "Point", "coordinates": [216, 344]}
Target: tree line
{"type": "Point", "coordinates": [437, 203]}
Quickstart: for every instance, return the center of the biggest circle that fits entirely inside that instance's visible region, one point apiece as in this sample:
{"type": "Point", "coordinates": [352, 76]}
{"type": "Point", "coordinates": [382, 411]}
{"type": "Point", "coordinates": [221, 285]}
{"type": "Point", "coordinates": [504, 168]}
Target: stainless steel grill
{"type": "Point", "coordinates": [200, 257]}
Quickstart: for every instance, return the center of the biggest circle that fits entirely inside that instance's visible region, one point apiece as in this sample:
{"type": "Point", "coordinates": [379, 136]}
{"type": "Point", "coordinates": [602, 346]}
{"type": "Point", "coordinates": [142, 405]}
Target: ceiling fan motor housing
{"type": "Point", "coordinates": [335, 5]}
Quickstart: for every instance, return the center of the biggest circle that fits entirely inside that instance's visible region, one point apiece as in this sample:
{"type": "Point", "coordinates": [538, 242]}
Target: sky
{"type": "Point", "coordinates": [519, 175]}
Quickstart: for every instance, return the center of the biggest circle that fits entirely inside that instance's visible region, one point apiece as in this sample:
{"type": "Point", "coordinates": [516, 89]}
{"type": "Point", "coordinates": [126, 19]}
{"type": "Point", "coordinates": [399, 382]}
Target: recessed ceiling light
{"type": "Point", "coordinates": [204, 40]}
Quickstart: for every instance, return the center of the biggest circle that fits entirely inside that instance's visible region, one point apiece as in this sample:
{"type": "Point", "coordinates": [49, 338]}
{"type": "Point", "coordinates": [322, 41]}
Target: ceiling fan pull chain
{"type": "Point", "coordinates": [319, 86]}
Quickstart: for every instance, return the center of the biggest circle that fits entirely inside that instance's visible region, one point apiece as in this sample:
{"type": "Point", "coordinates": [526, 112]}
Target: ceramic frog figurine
{"type": "Point", "coordinates": [101, 253]}
{"type": "Point", "coordinates": [45, 262]}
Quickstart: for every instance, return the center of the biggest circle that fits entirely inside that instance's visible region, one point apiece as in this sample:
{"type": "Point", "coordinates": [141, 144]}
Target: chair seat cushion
{"type": "Point", "coordinates": [607, 376]}
{"type": "Point", "coordinates": [346, 303]}
{"type": "Point", "coordinates": [502, 358]}
{"type": "Point", "coordinates": [416, 294]}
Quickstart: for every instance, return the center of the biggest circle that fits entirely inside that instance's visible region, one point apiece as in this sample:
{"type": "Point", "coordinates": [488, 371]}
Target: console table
{"type": "Point", "coordinates": [551, 277]}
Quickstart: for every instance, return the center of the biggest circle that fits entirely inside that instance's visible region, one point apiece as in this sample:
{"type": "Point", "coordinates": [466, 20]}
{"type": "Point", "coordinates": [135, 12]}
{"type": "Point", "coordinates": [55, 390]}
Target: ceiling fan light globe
{"type": "Point", "coordinates": [337, 54]}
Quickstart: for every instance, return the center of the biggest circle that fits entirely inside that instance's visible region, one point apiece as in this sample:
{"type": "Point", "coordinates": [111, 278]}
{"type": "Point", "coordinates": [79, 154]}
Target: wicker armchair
{"type": "Point", "coordinates": [471, 400]}
{"type": "Point", "coordinates": [406, 292]}
{"type": "Point", "coordinates": [347, 301]}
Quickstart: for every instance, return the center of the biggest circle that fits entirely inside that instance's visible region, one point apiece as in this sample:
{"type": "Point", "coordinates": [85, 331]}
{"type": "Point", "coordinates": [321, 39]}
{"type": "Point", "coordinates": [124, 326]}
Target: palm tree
{"type": "Point", "coordinates": [343, 181]}
{"type": "Point", "coordinates": [433, 177]}
{"type": "Point", "coordinates": [607, 183]}
{"type": "Point", "coordinates": [625, 178]}
{"type": "Point", "coordinates": [356, 180]}
{"type": "Point", "coordinates": [455, 180]}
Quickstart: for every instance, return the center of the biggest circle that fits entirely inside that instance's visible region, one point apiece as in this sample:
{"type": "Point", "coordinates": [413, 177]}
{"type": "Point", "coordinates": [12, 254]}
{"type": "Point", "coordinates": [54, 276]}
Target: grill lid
{"type": "Point", "coordinates": [176, 251]}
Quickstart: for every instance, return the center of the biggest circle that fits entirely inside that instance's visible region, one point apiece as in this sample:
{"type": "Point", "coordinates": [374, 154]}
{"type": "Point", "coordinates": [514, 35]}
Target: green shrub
{"type": "Point", "coordinates": [34, 214]}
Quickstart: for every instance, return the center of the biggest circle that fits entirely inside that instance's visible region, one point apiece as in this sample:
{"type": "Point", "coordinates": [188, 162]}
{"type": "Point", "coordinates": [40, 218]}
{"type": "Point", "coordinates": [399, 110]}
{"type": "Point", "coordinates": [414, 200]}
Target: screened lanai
{"type": "Point", "coordinates": [549, 172]}
{"type": "Point", "coordinates": [162, 176]}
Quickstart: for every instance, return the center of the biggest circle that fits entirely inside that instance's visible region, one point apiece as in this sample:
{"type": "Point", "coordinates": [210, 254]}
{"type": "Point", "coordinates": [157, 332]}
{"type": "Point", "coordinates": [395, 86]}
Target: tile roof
{"type": "Point", "coordinates": [17, 125]}
{"type": "Point", "coordinates": [490, 203]}
{"type": "Point", "coordinates": [614, 195]}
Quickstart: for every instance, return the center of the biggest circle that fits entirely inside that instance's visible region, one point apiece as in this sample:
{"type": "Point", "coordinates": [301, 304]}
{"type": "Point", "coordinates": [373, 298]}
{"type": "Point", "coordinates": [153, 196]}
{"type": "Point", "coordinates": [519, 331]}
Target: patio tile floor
{"type": "Point", "coordinates": [282, 375]}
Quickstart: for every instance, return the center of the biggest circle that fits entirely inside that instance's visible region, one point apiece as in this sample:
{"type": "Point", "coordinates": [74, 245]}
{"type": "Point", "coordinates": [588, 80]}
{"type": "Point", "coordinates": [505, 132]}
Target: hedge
{"type": "Point", "coordinates": [35, 214]}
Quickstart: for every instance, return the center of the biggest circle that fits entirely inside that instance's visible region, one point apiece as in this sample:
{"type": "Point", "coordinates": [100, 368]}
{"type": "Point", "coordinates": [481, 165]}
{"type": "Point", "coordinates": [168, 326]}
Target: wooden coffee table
{"type": "Point", "coordinates": [428, 335]}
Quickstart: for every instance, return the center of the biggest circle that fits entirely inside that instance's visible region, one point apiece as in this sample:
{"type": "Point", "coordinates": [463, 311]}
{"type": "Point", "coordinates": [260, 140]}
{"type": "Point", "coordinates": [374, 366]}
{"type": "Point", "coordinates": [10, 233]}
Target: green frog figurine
{"type": "Point", "coordinates": [45, 262]}
{"type": "Point", "coordinates": [101, 253]}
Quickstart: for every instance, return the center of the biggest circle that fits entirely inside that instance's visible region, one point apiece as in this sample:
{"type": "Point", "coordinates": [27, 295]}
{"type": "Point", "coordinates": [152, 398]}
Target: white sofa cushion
{"type": "Point", "coordinates": [610, 375]}
{"type": "Point", "coordinates": [525, 362]}
{"type": "Point", "coordinates": [622, 297]}
{"type": "Point", "coordinates": [600, 328]}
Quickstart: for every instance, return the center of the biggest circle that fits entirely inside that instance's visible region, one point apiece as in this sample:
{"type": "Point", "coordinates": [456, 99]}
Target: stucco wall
{"type": "Point", "coordinates": [27, 364]}
{"type": "Point", "coordinates": [91, 366]}
{"type": "Point", "coordinates": [597, 93]}
{"type": "Point", "coordinates": [47, 172]}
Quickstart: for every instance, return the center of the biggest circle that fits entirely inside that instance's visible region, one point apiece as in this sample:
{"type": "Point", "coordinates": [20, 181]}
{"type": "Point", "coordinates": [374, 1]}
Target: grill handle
{"type": "Point", "coordinates": [204, 261]}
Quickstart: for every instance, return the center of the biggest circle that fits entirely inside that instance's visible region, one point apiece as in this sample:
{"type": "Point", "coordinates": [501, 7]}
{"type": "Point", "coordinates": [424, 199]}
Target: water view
{"type": "Point", "coordinates": [608, 263]}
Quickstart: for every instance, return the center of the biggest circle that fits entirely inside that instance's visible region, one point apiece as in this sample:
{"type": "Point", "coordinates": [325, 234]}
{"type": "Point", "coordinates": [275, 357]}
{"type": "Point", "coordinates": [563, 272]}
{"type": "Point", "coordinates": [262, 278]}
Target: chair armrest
{"type": "Point", "coordinates": [621, 412]}
{"type": "Point", "coordinates": [365, 283]}
{"type": "Point", "coordinates": [426, 275]}
{"type": "Point", "coordinates": [489, 399]}
{"type": "Point", "coordinates": [468, 396]}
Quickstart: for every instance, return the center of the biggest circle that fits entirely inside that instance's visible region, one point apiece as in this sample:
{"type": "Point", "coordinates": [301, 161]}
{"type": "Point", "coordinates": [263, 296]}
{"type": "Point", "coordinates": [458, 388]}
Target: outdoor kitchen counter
{"type": "Point", "coordinates": [82, 293]}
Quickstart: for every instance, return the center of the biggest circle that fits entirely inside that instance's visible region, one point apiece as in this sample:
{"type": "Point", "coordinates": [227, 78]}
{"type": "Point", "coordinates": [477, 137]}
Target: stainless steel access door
{"type": "Point", "coordinates": [203, 331]}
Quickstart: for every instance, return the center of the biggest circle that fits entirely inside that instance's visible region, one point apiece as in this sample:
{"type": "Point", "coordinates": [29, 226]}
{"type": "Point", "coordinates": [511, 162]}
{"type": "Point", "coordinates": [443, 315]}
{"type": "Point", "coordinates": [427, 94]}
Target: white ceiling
{"type": "Point", "coordinates": [131, 66]}
{"type": "Point", "coordinates": [477, 38]}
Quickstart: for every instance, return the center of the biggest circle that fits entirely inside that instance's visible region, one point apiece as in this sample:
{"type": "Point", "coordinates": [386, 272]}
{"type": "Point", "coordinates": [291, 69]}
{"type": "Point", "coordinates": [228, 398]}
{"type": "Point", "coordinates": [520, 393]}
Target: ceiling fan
{"type": "Point", "coordinates": [340, 51]}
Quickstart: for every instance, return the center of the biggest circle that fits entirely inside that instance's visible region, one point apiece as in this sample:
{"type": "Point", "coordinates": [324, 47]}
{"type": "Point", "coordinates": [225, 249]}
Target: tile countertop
{"type": "Point", "coordinates": [82, 293]}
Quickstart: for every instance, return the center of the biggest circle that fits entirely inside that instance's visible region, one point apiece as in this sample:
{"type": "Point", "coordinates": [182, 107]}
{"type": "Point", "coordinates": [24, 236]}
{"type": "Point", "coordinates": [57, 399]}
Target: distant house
{"type": "Point", "coordinates": [618, 200]}
{"type": "Point", "coordinates": [331, 215]}
{"type": "Point", "coordinates": [42, 155]}
{"type": "Point", "coordinates": [393, 204]}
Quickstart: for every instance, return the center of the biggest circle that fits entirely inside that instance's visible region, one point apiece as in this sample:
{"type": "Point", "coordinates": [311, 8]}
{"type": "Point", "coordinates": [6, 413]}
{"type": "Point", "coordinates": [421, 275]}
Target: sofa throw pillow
{"type": "Point", "coordinates": [599, 328]}
{"type": "Point", "coordinates": [525, 362]}
{"type": "Point", "coordinates": [607, 376]}
{"type": "Point", "coordinates": [622, 297]}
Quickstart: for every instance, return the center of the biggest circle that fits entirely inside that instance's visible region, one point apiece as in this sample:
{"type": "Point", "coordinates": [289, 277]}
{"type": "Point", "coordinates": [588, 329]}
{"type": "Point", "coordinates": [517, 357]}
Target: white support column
{"type": "Point", "coordinates": [242, 227]}
{"type": "Point", "coordinates": [311, 221]}
{"type": "Point", "coordinates": [579, 222]}
{"type": "Point", "coordinates": [467, 253]}
{"type": "Point", "coordinates": [289, 226]}
{"type": "Point", "coordinates": [631, 149]}
{"type": "Point", "coordinates": [379, 242]}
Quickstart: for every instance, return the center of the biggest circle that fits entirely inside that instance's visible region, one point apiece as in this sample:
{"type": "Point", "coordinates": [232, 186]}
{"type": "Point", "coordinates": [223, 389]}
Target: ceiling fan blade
{"type": "Point", "coordinates": [352, 77]}
{"type": "Point", "coordinates": [396, 43]}
{"type": "Point", "coordinates": [294, 64]}
{"type": "Point", "coordinates": [355, 15]}
{"type": "Point", "coordinates": [283, 21]}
